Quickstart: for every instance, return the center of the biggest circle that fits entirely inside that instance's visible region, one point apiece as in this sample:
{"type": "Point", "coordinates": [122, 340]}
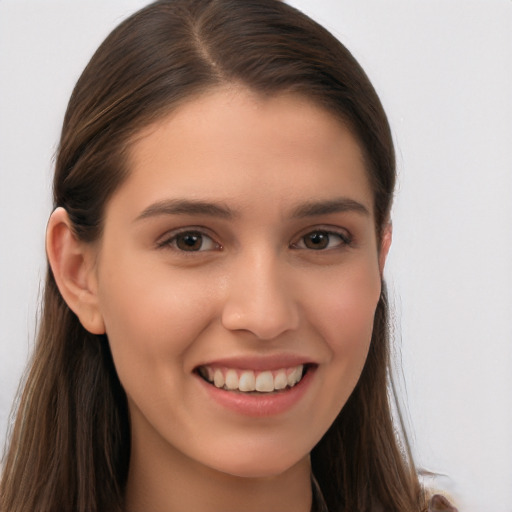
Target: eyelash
{"type": "Point", "coordinates": [344, 239]}
{"type": "Point", "coordinates": [172, 241]}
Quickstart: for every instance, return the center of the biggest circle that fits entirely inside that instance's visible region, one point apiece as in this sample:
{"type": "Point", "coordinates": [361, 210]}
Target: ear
{"type": "Point", "coordinates": [385, 244]}
{"type": "Point", "coordinates": [73, 266]}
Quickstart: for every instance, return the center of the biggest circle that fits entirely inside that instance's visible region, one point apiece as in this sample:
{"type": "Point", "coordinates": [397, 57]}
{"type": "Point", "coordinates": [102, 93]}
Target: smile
{"type": "Point", "coordinates": [249, 381]}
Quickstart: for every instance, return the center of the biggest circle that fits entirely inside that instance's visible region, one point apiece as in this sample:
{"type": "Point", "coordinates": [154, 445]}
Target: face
{"type": "Point", "coordinates": [237, 278]}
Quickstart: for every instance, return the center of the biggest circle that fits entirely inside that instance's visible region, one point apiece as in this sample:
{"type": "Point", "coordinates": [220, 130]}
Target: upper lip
{"type": "Point", "coordinates": [260, 363]}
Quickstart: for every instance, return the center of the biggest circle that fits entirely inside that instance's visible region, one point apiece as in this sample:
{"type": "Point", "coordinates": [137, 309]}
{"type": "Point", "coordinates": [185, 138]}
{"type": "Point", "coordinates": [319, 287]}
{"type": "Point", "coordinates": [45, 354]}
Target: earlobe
{"type": "Point", "coordinates": [385, 244]}
{"type": "Point", "coordinates": [72, 263]}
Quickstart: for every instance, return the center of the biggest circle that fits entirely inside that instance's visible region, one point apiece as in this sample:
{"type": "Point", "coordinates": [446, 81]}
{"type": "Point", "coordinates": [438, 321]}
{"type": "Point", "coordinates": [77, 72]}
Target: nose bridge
{"type": "Point", "coordinates": [258, 298]}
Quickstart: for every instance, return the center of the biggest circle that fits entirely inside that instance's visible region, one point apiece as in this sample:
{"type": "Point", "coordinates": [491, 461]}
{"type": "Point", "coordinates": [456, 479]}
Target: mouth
{"type": "Point", "coordinates": [254, 382]}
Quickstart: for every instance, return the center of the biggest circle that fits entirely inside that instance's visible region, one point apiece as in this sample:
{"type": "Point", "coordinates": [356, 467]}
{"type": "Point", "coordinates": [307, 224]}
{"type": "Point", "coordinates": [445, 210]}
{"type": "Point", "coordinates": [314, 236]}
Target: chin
{"type": "Point", "coordinates": [259, 467]}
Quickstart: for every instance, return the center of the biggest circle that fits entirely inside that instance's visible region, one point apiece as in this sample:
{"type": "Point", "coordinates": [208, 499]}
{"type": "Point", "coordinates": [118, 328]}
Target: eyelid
{"type": "Point", "coordinates": [169, 238]}
{"type": "Point", "coordinates": [342, 233]}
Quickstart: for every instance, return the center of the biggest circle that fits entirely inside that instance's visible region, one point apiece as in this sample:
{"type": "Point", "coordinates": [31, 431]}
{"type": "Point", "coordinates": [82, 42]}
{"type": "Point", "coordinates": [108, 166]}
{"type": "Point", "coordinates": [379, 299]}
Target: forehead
{"type": "Point", "coordinates": [236, 145]}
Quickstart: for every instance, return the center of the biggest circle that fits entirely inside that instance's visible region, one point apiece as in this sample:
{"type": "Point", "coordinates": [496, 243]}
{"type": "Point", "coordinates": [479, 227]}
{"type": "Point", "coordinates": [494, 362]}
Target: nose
{"type": "Point", "coordinates": [260, 299]}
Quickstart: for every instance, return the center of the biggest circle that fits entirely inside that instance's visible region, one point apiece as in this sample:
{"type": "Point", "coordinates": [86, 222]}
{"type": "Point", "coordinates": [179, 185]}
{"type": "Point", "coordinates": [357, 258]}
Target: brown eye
{"type": "Point", "coordinates": [321, 240]}
{"type": "Point", "coordinates": [316, 240]}
{"type": "Point", "coordinates": [190, 241]}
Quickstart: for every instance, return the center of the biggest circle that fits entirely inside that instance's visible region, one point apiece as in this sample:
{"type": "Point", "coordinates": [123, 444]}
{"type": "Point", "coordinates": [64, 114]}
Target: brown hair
{"type": "Point", "coordinates": [69, 449]}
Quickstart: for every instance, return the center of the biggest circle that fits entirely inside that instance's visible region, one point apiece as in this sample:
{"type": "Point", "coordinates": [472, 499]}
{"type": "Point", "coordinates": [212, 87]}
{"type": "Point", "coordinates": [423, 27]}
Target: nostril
{"type": "Point", "coordinates": [265, 324]}
{"type": "Point", "coordinates": [259, 300]}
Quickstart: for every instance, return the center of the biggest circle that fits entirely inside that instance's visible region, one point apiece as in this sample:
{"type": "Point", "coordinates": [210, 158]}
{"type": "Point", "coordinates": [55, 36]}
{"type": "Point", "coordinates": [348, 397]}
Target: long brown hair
{"type": "Point", "coordinates": [69, 448]}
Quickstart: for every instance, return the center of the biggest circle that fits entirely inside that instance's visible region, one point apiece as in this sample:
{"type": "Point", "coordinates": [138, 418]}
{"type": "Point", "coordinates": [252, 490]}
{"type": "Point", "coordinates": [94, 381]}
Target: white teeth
{"type": "Point", "coordinates": [295, 376]}
{"type": "Point", "coordinates": [231, 379]}
{"type": "Point", "coordinates": [247, 381]}
{"type": "Point", "coordinates": [280, 380]}
{"type": "Point", "coordinates": [218, 379]}
{"type": "Point", "coordinates": [265, 382]}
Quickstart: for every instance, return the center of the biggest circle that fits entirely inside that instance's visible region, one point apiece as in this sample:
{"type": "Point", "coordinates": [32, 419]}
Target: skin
{"type": "Point", "coordinates": [255, 288]}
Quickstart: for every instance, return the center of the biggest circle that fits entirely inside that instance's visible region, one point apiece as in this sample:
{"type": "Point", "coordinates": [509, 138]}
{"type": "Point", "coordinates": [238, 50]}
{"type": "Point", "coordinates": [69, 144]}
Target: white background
{"type": "Point", "coordinates": [443, 71]}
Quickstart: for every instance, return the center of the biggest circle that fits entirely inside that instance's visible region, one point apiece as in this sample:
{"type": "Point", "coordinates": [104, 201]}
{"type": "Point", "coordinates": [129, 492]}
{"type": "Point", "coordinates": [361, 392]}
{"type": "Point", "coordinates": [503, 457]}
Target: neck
{"type": "Point", "coordinates": [162, 479]}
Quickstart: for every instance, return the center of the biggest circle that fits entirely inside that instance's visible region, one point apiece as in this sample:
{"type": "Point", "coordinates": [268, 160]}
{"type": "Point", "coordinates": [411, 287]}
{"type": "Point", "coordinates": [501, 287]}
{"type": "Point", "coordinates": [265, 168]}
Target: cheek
{"type": "Point", "coordinates": [344, 316]}
{"type": "Point", "coordinates": [152, 318]}
{"type": "Point", "coordinates": [346, 303]}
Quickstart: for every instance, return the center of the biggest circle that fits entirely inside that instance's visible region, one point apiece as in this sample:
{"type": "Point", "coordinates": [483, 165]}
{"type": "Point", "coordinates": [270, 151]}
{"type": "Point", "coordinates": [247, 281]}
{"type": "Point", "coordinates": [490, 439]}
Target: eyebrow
{"type": "Point", "coordinates": [186, 207]}
{"type": "Point", "coordinates": [338, 205]}
{"type": "Point", "coordinates": [222, 211]}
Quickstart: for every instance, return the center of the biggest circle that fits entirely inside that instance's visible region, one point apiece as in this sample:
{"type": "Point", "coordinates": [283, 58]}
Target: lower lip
{"type": "Point", "coordinates": [259, 405]}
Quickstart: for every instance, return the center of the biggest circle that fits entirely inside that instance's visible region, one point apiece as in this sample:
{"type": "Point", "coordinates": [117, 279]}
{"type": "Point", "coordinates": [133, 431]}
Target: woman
{"type": "Point", "coordinates": [214, 333]}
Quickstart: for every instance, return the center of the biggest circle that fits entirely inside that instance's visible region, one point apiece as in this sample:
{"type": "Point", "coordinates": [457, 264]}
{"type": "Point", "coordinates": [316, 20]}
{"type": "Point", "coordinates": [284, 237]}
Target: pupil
{"type": "Point", "coordinates": [318, 240]}
{"type": "Point", "coordinates": [189, 242]}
